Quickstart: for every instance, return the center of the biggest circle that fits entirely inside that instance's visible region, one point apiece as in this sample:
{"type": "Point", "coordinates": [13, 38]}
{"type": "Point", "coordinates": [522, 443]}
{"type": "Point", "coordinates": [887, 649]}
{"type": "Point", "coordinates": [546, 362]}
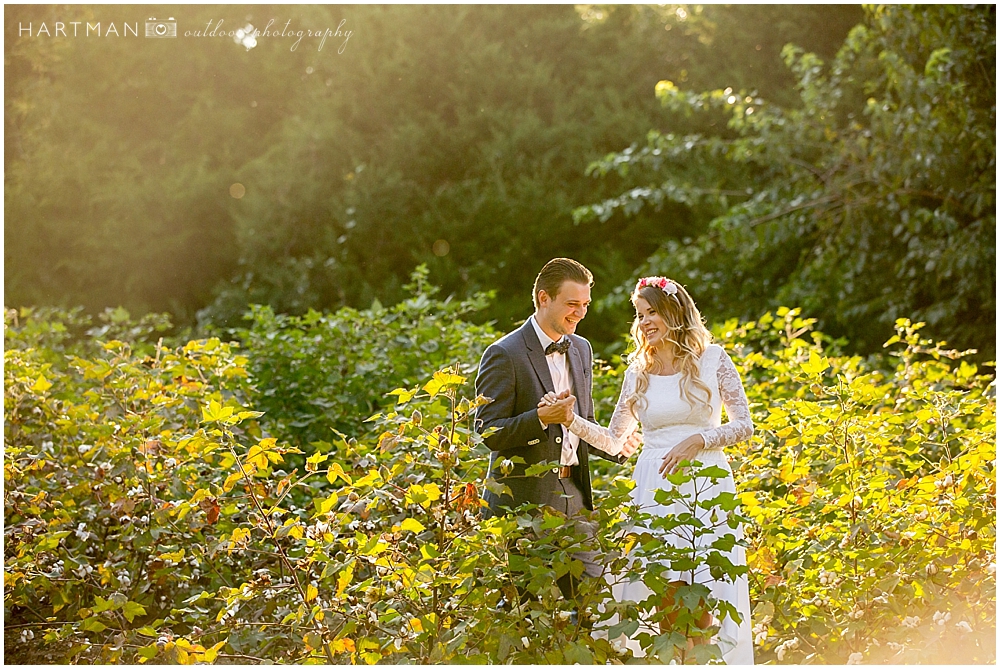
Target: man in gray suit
{"type": "Point", "coordinates": [544, 355]}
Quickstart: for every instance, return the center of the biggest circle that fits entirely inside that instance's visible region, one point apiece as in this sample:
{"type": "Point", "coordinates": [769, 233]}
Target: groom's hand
{"type": "Point", "coordinates": [560, 411]}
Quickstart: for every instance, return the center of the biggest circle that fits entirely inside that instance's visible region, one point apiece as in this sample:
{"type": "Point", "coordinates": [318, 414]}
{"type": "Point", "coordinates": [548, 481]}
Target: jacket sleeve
{"type": "Point", "coordinates": [496, 381]}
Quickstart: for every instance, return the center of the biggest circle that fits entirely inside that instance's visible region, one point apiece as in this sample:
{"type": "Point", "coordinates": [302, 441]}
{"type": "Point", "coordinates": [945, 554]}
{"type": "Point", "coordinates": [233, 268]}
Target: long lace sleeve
{"type": "Point", "coordinates": [623, 423]}
{"type": "Point", "coordinates": [740, 425]}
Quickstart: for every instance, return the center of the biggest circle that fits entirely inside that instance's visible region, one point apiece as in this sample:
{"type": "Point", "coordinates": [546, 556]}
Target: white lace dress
{"type": "Point", "coordinates": [667, 420]}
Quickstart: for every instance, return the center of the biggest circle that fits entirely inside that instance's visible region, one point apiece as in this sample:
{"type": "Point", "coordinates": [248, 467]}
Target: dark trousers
{"type": "Point", "coordinates": [573, 500]}
{"type": "Point", "coordinates": [571, 503]}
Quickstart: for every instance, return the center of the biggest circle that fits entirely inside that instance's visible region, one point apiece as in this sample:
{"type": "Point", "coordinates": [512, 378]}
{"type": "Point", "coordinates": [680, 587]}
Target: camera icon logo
{"type": "Point", "coordinates": [166, 28]}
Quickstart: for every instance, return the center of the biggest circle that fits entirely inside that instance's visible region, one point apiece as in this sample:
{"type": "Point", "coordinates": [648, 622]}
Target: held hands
{"type": "Point", "coordinates": [686, 450]}
{"type": "Point", "coordinates": [554, 408]}
{"type": "Point", "coordinates": [633, 442]}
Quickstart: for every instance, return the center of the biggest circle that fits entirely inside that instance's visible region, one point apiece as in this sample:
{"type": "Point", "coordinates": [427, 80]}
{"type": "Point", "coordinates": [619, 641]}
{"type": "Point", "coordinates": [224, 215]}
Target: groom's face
{"type": "Point", "coordinates": [561, 313]}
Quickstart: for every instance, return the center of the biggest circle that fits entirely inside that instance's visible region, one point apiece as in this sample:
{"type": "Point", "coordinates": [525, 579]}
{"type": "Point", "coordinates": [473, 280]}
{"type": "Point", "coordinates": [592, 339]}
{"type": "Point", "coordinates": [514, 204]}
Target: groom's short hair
{"type": "Point", "coordinates": [556, 272]}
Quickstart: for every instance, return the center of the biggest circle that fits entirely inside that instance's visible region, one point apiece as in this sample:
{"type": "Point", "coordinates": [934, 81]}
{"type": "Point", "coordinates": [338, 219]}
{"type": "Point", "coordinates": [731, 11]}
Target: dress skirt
{"type": "Point", "coordinates": [734, 639]}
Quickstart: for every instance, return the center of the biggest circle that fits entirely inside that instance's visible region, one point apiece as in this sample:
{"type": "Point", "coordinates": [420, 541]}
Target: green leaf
{"type": "Point", "coordinates": [497, 488]}
{"type": "Point", "coordinates": [541, 468]}
{"type": "Point", "coordinates": [148, 652]}
{"type": "Point", "coordinates": [626, 627]}
{"type": "Point", "coordinates": [93, 625]}
{"type": "Point", "coordinates": [133, 609]}
{"type": "Point", "coordinates": [51, 540]}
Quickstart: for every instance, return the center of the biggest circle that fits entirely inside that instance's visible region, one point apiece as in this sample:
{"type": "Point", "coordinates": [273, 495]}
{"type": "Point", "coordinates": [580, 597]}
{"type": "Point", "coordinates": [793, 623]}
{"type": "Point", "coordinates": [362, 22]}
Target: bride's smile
{"type": "Point", "coordinates": [650, 322]}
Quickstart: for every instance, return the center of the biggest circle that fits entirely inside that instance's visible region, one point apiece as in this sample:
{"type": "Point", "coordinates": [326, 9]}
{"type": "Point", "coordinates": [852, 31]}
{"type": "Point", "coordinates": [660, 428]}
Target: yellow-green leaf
{"type": "Point", "coordinates": [215, 412]}
{"type": "Point", "coordinates": [337, 472]}
{"type": "Point", "coordinates": [411, 525]}
{"type": "Point", "coordinates": [816, 365]}
{"type": "Point", "coordinates": [442, 380]}
{"type": "Point", "coordinates": [325, 505]}
{"type": "Point", "coordinates": [176, 556]}
{"type": "Point", "coordinates": [41, 385]}
{"type": "Point", "coordinates": [344, 579]}
{"type": "Point", "coordinates": [213, 652]}
{"type": "Point", "coordinates": [313, 461]}
{"type": "Point", "coordinates": [239, 535]}
{"type": "Point", "coordinates": [257, 457]}
{"type": "Point", "coordinates": [231, 480]}
{"type": "Point", "coordinates": [372, 478]}
{"type": "Point", "coordinates": [403, 395]}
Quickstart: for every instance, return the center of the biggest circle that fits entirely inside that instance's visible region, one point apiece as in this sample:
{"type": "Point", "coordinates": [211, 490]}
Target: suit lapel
{"type": "Point", "coordinates": [536, 356]}
{"type": "Point", "coordinates": [577, 379]}
{"type": "Point", "coordinates": [578, 383]}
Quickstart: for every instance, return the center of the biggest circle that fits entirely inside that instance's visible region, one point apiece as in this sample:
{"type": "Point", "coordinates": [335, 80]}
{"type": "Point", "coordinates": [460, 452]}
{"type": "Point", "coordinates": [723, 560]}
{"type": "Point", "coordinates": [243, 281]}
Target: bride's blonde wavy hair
{"type": "Point", "coordinates": [687, 333]}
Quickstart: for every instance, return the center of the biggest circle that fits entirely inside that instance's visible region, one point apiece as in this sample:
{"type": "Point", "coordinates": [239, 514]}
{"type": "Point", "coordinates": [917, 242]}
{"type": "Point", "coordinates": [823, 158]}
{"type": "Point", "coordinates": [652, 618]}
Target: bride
{"type": "Point", "coordinates": [675, 386]}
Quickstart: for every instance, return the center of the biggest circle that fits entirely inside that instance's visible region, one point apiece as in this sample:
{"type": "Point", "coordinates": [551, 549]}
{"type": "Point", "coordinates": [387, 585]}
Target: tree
{"type": "Point", "coordinates": [872, 199]}
{"type": "Point", "coordinates": [121, 153]}
{"type": "Point", "coordinates": [452, 136]}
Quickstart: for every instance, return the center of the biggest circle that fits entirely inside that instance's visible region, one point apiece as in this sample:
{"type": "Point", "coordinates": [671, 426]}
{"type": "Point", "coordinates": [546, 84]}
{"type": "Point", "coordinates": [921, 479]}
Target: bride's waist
{"type": "Point", "coordinates": [665, 438]}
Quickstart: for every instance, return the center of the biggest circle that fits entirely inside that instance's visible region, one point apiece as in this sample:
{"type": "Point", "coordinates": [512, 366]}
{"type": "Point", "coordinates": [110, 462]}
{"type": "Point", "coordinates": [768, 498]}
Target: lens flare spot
{"type": "Point", "coordinates": [441, 248]}
{"type": "Point", "coordinates": [237, 190]}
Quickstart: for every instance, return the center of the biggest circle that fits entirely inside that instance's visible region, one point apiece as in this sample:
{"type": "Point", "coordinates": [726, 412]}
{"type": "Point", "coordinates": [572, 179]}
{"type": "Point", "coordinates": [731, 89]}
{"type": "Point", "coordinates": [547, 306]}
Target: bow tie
{"type": "Point", "coordinates": [560, 346]}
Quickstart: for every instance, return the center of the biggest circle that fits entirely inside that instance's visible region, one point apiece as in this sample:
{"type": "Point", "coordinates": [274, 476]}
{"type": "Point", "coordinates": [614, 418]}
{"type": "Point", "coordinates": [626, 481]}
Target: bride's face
{"type": "Point", "coordinates": [651, 323]}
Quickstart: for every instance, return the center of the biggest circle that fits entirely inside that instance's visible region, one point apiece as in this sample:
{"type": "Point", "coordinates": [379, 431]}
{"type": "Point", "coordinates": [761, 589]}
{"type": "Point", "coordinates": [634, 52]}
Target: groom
{"type": "Point", "coordinates": [544, 355]}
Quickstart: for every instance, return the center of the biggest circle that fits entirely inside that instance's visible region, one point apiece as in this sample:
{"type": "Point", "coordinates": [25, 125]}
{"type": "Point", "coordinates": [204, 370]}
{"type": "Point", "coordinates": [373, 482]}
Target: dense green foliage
{"type": "Point", "coordinates": [151, 514]}
{"type": "Point", "coordinates": [317, 372]}
{"type": "Point", "coordinates": [469, 125]}
{"type": "Point", "coordinates": [871, 199]}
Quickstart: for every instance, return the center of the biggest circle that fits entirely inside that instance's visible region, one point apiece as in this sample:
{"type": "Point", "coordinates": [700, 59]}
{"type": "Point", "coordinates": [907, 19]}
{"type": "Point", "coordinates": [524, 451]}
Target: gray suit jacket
{"type": "Point", "coordinates": [514, 373]}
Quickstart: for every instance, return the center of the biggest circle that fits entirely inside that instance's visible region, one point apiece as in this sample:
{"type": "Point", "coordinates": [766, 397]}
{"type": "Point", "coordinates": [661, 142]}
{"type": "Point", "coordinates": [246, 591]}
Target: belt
{"type": "Point", "coordinates": [565, 472]}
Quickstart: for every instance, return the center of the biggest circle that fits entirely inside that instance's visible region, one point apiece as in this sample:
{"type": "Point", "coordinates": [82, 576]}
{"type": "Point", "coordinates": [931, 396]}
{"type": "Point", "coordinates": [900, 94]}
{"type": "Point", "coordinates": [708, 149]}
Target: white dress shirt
{"type": "Point", "coordinates": [559, 370]}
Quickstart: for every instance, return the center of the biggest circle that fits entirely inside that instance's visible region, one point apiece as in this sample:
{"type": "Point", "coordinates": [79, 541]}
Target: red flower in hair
{"type": "Point", "coordinates": [661, 282]}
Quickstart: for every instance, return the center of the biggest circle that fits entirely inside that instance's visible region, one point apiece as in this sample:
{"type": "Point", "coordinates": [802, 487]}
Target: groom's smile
{"type": "Point", "coordinates": [559, 315]}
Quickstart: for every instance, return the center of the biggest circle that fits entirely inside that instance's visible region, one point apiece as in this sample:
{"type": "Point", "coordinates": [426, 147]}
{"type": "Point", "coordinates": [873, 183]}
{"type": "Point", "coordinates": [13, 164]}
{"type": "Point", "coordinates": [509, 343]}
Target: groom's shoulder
{"type": "Point", "coordinates": [512, 339]}
{"type": "Point", "coordinates": [582, 342]}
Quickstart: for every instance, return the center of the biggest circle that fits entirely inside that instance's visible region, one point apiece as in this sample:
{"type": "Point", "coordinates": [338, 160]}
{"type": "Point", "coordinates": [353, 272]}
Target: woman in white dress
{"type": "Point", "coordinates": [675, 386]}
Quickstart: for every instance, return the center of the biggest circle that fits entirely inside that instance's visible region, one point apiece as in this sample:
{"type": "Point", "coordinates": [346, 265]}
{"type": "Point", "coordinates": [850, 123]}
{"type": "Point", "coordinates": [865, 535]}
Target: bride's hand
{"type": "Point", "coordinates": [633, 442]}
{"type": "Point", "coordinates": [686, 450]}
{"type": "Point", "coordinates": [549, 399]}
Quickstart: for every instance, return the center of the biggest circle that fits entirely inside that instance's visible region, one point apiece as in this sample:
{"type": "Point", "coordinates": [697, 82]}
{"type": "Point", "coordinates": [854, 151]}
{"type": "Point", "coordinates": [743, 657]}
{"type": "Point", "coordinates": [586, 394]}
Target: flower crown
{"type": "Point", "coordinates": [663, 283]}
